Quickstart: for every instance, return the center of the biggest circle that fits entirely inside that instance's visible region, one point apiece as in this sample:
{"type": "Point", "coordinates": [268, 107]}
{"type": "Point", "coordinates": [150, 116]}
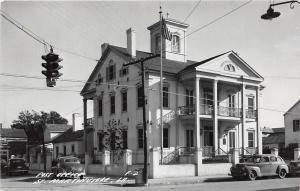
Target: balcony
{"type": "Point", "coordinates": [186, 110]}
{"type": "Point", "coordinates": [229, 111]}
{"type": "Point", "coordinates": [251, 113]}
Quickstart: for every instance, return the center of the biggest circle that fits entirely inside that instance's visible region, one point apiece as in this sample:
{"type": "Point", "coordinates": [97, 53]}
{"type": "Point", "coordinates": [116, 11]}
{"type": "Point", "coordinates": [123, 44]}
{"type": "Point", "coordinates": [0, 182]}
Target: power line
{"type": "Point", "coordinates": [33, 35]}
{"type": "Point", "coordinates": [219, 18]}
{"type": "Point", "coordinates": [191, 12]}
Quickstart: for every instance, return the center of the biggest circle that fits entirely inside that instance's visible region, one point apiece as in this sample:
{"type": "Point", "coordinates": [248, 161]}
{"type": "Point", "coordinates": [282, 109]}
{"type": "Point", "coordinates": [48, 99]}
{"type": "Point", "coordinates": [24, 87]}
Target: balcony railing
{"type": "Point", "coordinates": [251, 113]}
{"type": "Point", "coordinates": [229, 111]}
{"type": "Point", "coordinates": [186, 110]}
{"type": "Point", "coordinates": [206, 109]}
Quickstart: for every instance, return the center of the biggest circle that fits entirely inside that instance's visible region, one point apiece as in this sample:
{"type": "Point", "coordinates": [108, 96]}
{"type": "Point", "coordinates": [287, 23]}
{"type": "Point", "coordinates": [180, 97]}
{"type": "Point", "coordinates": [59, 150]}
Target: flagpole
{"type": "Point", "coordinates": [161, 86]}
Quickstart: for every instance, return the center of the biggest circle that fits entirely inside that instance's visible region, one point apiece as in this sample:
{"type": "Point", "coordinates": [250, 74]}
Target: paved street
{"type": "Point", "coordinates": [17, 183]}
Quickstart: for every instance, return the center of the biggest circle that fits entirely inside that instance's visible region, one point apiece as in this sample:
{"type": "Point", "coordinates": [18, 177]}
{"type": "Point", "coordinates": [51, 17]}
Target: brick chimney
{"type": "Point", "coordinates": [104, 47]}
{"type": "Point", "coordinates": [131, 45]}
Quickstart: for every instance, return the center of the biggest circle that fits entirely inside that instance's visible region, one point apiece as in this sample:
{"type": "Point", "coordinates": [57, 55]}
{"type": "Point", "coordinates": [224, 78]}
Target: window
{"type": "Point", "coordinates": [166, 138]}
{"type": "Point", "coordinates": [112, 104]}
{"type": "Point", "coordinates": [189, 138]}
{"type": "Point", "coordinates": [100, 107]}
{"type": "Point", "coordinates": [57, 151]}
{"type": "Point", "coordinates": [251, 139]}
{"type": "Point", "coordinates": [273, 159]}
{"type": "Point", "coordinates": [140, 96]}
{"type": "Point", "coordinates": [111, 71]}
{"type": "Point", "coordinates": [113, 140]}
{"type": "Point", "coordinates": [157, 44]}
{"type": "Point", "coordinates": [224, 141]}
{"type": "Point", "coordinates": [176, 43]}
{"type": "Point", "coordinates": [65, 150]}
{"type": "Point", "coordinates": [100, 141]}
{"type": "Point", "coordinates": [124, 139]}
{"type": "Point", "coordinates": [124, 101]}
{"type": "Point", "coordinates": [73, 148]}
{"type": "Point", "coordinates": [189, 100]}
{"type": "Point", "coordinates": [229, 67]}
{"type": "Point", "coordinates": [250, 103]}
{"type": "Point", "coordinates": [140, 137]}
{"type": "Point", "coordinates": [208, 97]}
{"type": "Point", "coordinates": [296, 125]}
{"type": "Point", "coordinates": [99, 79]}
{"type": "Point", "coordinates": [232, 139]}
{"type": "Point", "coordinates": [124, 71]}
{"type": "Point", "coordinates": [165, 96]}
{"type": "Point", "coordinates": [231, 100]}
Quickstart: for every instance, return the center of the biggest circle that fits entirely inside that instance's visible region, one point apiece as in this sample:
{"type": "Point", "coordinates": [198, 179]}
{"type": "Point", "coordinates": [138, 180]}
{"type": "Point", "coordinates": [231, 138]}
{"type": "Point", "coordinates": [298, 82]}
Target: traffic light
{"type": "Point", "coordinates": [52, 66]}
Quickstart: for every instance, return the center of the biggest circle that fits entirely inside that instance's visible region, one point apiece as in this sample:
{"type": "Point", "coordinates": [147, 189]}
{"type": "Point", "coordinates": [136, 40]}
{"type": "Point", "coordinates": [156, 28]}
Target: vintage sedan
{"type": "Point", "coordinates": [258, 166]}
{"type": "Point", "coordinates": [68, 167]}
{"type": "Point", "coordinates": [294, 167]}
{"type": "Point", "coordinates": [16, 165]}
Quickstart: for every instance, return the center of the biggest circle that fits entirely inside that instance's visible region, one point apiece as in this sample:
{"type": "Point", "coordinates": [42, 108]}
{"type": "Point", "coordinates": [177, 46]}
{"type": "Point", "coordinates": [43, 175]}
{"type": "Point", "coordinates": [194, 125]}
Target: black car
{"type": "Point", "coordinates": [16, 165]}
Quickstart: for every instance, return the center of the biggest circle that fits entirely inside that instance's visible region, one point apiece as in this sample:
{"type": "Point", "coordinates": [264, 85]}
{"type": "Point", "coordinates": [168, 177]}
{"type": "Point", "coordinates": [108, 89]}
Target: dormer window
{"type": "Point", "coordinates": [175, 43]}
{"type": "Point", "coordinates": [229, 67]}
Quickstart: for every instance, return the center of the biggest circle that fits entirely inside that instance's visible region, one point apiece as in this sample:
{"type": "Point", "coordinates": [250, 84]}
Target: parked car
{"type": "Point", "coordinates": [16, 165]}
{"type": "Point", "coordinates": [3, 164]}
{"type": "Point", "coordinates": [260, 165]}
{"type": "Point", "coordinates": [294, 167]}
{"type": "Point", "coordinates": [68, 167]}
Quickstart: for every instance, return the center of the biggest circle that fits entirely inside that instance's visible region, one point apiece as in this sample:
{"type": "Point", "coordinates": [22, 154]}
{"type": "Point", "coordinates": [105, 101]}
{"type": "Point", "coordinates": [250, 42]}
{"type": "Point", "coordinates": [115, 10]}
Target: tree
{"type": "Point", "coordinates": [34, 124]}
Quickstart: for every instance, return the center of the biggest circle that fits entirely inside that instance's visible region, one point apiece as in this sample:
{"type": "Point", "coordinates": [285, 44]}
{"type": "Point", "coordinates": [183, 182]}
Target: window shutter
{"type": "Point", "coordinates": [114, 73]}
{"type": "Point", "coordinates": [107, 74]}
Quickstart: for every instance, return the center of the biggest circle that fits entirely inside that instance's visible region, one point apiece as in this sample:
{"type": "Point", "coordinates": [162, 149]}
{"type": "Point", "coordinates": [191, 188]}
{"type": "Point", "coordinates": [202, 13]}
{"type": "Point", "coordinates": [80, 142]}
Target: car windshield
{"type": "Point", "coordinates": [73, 160]}
{"type": "Point", "coordinates": [17, 161]}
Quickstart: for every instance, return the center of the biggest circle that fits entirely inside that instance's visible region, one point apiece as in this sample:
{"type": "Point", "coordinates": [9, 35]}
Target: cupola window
{"type": "Point", "coordinates": [229, 67]}
{"type": "Point", "coordinates": [175, 43]}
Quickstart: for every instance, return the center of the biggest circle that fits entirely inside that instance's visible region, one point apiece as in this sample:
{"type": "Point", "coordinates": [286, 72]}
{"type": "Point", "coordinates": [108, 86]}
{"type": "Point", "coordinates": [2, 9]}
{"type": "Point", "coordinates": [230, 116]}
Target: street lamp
{"type": "Point", "coordinates": [271, 14]}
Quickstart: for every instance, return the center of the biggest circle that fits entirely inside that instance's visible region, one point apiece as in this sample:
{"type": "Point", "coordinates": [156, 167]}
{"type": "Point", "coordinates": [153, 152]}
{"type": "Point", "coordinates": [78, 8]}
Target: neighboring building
{"type": "Point", "coordinates": [292, 125]}
{"type": "Point", "coordinates": [13, 142]}
{"type": "Point", "coordinates": [274, 138]}
{"type": "Point", "coordinates": [68, 143]}
{"type": "Point", "coordinates": [212, 104]}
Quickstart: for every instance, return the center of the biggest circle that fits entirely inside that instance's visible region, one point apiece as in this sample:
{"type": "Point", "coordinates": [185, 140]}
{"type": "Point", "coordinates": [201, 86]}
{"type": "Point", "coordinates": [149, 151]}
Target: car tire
{"type": "Point", "coordinates": [252, 175]}
{"type": "Point", "coordinates": [282, 173]}
{"type": "Point", "coordinates": [81, 177]}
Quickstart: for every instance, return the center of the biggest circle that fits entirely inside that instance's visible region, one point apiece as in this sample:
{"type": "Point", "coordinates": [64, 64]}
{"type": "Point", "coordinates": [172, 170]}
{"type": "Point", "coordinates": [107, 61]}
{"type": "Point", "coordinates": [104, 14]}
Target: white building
{"type": "Point", "coordinates": [210, 105]}
{"type": "Point", "coordinates": [292, 125]}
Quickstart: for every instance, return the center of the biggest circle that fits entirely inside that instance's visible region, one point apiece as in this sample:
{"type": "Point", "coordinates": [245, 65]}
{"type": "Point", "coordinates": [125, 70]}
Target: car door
{"type": "Point", "coordinates": [274, 165]}
{"type": "Point", "coordinates": [264, 165]}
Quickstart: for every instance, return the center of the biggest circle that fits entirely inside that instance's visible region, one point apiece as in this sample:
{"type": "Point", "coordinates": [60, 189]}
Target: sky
{"type": "Point", "coordinates": [272, 48]}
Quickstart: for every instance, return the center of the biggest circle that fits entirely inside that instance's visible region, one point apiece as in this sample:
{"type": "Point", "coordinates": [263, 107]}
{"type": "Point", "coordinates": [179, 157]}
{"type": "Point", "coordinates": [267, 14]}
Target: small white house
{"type": "Point", "coordinates": [292, 125]}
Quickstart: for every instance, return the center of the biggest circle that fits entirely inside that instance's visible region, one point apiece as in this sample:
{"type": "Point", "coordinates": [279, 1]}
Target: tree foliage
{"type": "Point", "coordinates": [33, 123]}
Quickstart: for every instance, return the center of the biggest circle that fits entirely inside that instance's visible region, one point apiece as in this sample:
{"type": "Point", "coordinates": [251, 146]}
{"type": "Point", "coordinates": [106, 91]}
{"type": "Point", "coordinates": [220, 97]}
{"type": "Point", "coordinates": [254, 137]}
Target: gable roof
{"type": "Point", "coordinates": [69, 136]}
{"type": "Point", "coordinates": [169, 66]}
{"type": "Point", "coordinates": [58, 127]}
{"type": "Point", "coordinates": [12, 133]}
{"type": "Point", "coordinates": [292, 107]}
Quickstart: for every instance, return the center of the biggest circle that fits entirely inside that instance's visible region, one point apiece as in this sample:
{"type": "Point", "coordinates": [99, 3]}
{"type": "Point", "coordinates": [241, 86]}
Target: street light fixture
{"type": "Point", "coordinates": [271, 14]}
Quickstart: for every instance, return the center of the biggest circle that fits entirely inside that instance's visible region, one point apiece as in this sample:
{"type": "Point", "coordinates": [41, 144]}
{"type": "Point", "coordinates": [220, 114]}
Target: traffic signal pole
{"type": "Point", "coordinates": [141, 61]}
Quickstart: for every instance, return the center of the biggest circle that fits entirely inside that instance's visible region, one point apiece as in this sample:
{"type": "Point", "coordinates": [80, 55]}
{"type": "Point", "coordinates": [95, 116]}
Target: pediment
{"type": "Point", "coordinates": [229, 64]}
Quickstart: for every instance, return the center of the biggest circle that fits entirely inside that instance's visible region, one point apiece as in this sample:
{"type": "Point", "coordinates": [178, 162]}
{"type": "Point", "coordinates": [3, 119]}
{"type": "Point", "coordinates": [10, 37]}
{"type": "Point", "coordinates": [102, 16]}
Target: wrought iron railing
{"type": "Point", "coordinates": [214, 156]}
{"type": "Point", "coordinates": [229, 111]}
{"type": "Point", "coordinates": [207, 151]}
{"type": "Point", "coordinates": [186, 110]}
{"type": "Point", "coordinates": [173, 156]}
{"type": "Point", "coordinates": [116, 156]}
{"type": "Point", "coordinates": [167, 117]}
{"type": "Point", "coordinates": [251, 113]}
{"type": "Point", "coordinates": [206, 109]}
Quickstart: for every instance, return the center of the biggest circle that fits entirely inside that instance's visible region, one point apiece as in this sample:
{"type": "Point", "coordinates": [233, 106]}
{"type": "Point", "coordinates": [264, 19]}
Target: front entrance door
{"type": "Point", "coordinates": [189, 138]}
{"type": "Point", "coordinates": [208, 141]}
{"type": "Point", "coordinates": [231, 140]}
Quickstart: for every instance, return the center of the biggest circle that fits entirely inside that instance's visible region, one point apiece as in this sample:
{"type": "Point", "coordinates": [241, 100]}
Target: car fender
{"type": "Point", "coordinates": [255, 168]}
{"type": "Point", "coordinates": [282, 166]}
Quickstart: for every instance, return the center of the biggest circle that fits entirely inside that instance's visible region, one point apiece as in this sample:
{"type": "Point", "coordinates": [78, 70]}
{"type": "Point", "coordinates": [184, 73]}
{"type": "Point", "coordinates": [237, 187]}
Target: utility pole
{"type": "Point", "coordinates": [141, 61]}
{"type": "Point", "coordinates": [44, 148]}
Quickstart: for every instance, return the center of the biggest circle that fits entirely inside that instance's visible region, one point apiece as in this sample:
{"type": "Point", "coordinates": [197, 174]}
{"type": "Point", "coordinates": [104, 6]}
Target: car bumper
{"type": "Point", "coordinates": [238, 173]}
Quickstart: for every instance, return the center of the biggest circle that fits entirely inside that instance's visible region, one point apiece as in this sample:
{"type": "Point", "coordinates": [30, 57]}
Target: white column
{"type": "Point", "coordinates": [197, 112]}
{"type": "Point", "coordinates": [258, 130]}
{"type": "Point", "coordinates": [243, 118]}
{"type": "Point", "coordinates": [215, 117]}
{"type": "Point", "coordinates": [198, 151]}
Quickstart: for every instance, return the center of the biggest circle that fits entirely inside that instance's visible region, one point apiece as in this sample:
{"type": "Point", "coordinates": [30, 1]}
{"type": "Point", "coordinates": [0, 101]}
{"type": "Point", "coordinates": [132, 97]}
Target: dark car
{"type": "Point", "coordinates": [68, 167]}
{"type": "Point", "coordinates": [258, 166]}
{"type": "Point", "coordinates": [16, 165]}
{"type": "Point", "coordinates": [294, 167]}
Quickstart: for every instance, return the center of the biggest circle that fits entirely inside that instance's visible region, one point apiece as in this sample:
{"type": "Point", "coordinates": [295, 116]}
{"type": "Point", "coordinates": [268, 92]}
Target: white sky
{"type": "Point", "coordinates": [272, 48]}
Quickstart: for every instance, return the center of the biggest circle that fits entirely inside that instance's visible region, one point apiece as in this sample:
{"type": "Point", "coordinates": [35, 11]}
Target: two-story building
{"type": "Point", "coordinates": [292, 126]}
{"type": "Point", "coordinates": [211, 106]}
